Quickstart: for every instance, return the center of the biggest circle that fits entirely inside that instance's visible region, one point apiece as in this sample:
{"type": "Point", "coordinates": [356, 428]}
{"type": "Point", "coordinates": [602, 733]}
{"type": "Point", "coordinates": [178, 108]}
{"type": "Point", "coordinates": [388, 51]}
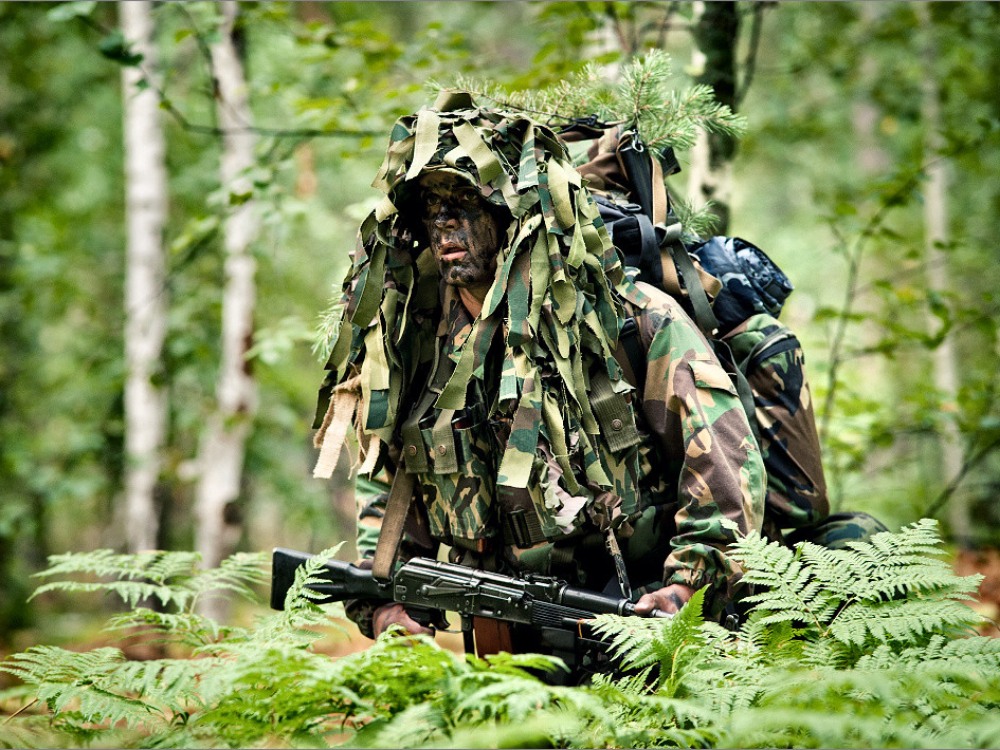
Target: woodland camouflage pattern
{"type": "Point", "coordinates": [527, 442]}
{"type": "Point", "coordinates": [796, 488]}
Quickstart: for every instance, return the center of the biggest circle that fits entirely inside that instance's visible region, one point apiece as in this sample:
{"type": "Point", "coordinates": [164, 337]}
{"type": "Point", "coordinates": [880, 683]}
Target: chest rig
{"type": "Point", "coordinates": [472, 501]}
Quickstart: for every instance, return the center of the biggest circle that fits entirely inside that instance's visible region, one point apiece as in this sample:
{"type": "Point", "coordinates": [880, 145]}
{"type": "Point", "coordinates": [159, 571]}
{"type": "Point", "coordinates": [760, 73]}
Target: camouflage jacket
{"type": "Point", "coordinates": [696, 462]}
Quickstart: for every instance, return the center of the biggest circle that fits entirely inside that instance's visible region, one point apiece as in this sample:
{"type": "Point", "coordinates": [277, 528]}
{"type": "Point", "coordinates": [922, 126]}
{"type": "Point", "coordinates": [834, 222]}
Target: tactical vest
{"type": "Point", "coordinates": [453, 455]}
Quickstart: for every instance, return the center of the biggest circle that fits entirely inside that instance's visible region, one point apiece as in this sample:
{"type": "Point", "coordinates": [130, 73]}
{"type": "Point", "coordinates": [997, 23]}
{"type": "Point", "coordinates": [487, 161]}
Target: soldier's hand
{"type": "Point", "coordinates": [395, 614]}
{"type": "Point", "coordinates": [669, 599]}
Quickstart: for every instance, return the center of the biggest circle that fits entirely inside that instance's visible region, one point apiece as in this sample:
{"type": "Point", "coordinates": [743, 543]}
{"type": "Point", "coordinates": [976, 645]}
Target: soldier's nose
{"type": "Point", "coordinates": [446, 216]}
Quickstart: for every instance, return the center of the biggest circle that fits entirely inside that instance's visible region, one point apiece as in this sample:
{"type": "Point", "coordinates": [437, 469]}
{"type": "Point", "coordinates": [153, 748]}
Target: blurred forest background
{"type": "Point", "coordinates": [180, 184]}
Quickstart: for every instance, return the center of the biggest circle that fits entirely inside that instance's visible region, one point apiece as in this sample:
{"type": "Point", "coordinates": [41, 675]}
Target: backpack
{"type": "Point", "coordinates": [727, 285]}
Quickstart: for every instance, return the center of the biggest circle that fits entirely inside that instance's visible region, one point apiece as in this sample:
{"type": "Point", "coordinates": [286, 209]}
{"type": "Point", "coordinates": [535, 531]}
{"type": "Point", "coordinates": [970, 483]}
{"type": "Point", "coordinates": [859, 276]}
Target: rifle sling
{"type": "Point", "coordinates": [401, 495]}
{"type": "Point", "coordinates": [393, 521]}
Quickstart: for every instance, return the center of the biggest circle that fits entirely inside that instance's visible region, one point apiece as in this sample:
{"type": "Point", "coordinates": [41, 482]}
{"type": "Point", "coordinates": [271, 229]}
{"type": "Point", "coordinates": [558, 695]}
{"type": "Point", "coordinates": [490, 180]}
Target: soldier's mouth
{"type": "Point", "coordinates": [450, 252]}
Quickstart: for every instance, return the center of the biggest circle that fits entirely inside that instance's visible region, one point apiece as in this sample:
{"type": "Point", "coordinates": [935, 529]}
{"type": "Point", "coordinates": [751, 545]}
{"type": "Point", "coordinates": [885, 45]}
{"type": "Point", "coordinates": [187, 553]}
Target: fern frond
{"type": "Point", "coordinates": [631, 638]}
{"type": "Point", "coordinates": [190, 629]}
{"type": "Point", "coordinates": [518, 664]}
{"type": "Point", "coordinates": [908, 562]}
{"type": "Point", "coordinates": [672, 644]}
{"type": "Point", "coordinates": [901, 622]}
{"type": "Point", "coordinates": [235, 575]}
{"type": "Point", "coordinates": [791, 593]}
{"type": "Point", "coordinates": [136, 577]}
{"type": "Point", "coordinates": [84, 682]}
{"type": "Point", "coordinates": [155, 566]}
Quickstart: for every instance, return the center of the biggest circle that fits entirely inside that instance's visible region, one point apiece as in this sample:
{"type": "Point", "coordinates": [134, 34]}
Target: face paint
{"type": "Point", "coordinates": [463, 232]}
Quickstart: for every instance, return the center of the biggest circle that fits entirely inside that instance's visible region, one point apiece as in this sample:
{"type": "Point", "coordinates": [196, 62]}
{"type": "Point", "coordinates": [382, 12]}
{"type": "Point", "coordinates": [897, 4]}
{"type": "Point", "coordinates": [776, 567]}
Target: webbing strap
{"type": "Point", "coordinates": [631, 356]}
{"type": "Point", "coordinates": [700, 305]}
{"type": "Point", "coordinates": [779, 341]}
{"type": "Point", "coordinates": [391, 533]}
{"type": "Point", "coordinates": [520, 523]}
{"type": "Point", "coordinates": [635, 159]}
{"type": "Point", "coordinates": [414, 460]}
{"type": "Point", "coordinates": [414, 455]}
{"type": "Point", "coordinates": [743, 390]}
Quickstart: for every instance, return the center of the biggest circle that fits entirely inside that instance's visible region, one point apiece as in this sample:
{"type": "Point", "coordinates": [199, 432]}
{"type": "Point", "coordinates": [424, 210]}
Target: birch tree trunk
{"type": "Point", "coordinates": [936, 235]}
{"type": "Point", "coordinates": [710, 173]}
{"type": "Point", "coordinates": [223, 444]}
{"type": "Point", "coordinates": [145, 306]}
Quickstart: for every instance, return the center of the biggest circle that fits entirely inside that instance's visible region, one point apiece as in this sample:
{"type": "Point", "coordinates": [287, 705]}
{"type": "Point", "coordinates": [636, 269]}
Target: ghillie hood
{"type": "Point", "coordinates": [553, 300]}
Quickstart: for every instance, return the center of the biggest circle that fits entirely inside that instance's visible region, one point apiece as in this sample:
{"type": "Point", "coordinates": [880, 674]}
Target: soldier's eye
{"type": "Point", "coordinates": [432, 202]}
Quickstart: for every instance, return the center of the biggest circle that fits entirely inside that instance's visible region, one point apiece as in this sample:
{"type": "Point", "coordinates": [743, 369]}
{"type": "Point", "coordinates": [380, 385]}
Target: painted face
{"type": "Point", "coordinates": [464, 234]}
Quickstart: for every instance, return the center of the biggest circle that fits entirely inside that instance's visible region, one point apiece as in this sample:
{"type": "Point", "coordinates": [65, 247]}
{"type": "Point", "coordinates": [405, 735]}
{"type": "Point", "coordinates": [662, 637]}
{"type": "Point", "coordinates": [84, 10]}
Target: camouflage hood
{"type": "Point", "coordinates": [552, 300]}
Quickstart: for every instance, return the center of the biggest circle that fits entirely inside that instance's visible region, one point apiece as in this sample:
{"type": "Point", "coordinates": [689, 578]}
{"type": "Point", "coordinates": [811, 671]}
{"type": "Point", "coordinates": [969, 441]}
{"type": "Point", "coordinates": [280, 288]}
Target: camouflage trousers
{"type": "Point", "coordinates": [837, 530]}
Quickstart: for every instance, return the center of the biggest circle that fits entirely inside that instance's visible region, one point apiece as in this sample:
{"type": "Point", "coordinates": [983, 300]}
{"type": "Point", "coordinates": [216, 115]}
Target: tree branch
{"type": "Point", "coordinates": [750, 63]}
{"type": "Point", "coordinates": [967, 465]}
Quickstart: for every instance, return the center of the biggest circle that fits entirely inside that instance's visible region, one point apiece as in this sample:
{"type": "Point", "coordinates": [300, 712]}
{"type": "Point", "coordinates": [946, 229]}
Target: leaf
{"type": "Point", "coordinates": [70, 10]}
{"type": "Point", "coordinates": [114, 47]}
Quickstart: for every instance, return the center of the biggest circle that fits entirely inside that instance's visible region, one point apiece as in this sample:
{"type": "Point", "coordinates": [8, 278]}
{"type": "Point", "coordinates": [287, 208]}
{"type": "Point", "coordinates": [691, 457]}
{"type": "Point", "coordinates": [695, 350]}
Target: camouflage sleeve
{"type": "Point", "coordinates": [691, 405]}
{"type": "Point", "coordinates": [775, 369]}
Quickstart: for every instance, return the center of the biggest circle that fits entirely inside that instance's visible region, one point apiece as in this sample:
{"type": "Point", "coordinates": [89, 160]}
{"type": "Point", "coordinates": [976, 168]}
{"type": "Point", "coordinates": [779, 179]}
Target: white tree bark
{"type": "Point", "coordinates": [707, 181]}
{"type": "Point", "coordinates": [145, 305]}
{"type": "Point", "coordinates": [936, 235]}
{"type": "Point", "coordinates": [223, 444]}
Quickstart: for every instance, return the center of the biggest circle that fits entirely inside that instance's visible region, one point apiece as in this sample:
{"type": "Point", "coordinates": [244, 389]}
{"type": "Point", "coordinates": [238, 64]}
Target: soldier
{"type": "Point", "coordinates": [476, 363]}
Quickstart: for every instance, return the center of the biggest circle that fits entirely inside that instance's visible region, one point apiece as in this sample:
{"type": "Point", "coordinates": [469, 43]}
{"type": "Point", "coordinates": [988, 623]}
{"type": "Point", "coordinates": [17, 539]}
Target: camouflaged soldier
{"type": "Point", "coordinates": [476, 356]}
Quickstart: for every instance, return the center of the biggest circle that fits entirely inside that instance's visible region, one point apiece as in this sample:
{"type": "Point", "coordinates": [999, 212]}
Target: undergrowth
{"type": "Point", "coordinates": [872, 646]}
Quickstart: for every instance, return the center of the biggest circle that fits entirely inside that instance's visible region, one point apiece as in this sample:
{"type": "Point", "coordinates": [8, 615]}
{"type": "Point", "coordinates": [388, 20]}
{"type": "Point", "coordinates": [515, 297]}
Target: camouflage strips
{"type": "Point", "coordinates": [523, 414]}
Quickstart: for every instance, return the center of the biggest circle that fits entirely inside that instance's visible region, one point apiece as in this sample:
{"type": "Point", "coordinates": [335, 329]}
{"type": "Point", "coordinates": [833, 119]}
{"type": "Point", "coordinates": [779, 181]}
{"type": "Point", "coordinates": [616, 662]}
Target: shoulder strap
{"type": "Point", "coordinates": [631, 355]}
{"type": "Point", "coordinates": [779, 341]}
{"type": "Point", "coordinates": [700, 306]}
{"type": "Point", "coordinates": [740, 382]}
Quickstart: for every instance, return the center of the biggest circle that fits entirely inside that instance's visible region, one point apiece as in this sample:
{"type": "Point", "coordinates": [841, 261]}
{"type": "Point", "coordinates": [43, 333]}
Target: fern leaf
{"type": "Point", "coordinates": [235, 575]}
{"type": "Point", "coordinates": [135, 577]}
{"type": "Point", "coordinates": [901, 622]}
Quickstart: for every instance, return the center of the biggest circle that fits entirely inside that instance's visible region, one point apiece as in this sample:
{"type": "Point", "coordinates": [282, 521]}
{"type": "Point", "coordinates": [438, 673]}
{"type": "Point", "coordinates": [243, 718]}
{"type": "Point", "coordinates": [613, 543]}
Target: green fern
{"type": "Point", "coordinates": [893, 588]}
{"type": "Point", "coordinates": [173, 579]}
{"type": "Point", "coordinates": [888, 666]}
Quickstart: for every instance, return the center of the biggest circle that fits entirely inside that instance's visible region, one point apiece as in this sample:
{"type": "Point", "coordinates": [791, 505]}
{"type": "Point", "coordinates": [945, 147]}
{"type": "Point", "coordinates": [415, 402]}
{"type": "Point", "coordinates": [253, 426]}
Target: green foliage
{"type": "Point", "coordinates": [863, 647]}
{"type": "Point", "coordinates": [643, 99]}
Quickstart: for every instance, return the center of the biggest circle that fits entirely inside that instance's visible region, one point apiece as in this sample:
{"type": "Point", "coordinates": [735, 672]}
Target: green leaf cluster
{"type": "Point", "coordinates": [643, 99]}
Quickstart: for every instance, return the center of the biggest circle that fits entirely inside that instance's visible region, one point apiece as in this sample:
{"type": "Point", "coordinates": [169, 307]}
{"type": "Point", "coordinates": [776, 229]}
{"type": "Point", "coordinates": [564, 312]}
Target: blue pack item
{"type": "Point", "coordinates": [751, 282]}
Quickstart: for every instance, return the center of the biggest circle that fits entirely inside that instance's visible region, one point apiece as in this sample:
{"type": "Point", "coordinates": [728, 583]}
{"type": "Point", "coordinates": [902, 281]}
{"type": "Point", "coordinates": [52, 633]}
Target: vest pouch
{"type": "Point", "coordinates": [616, 417]}
{"type": "Point", "coordinates": [458, 486]}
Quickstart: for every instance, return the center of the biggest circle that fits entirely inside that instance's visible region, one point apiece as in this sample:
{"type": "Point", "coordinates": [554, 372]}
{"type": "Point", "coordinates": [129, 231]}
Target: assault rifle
{"type": "Point", "coordinates": [427, 587]}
